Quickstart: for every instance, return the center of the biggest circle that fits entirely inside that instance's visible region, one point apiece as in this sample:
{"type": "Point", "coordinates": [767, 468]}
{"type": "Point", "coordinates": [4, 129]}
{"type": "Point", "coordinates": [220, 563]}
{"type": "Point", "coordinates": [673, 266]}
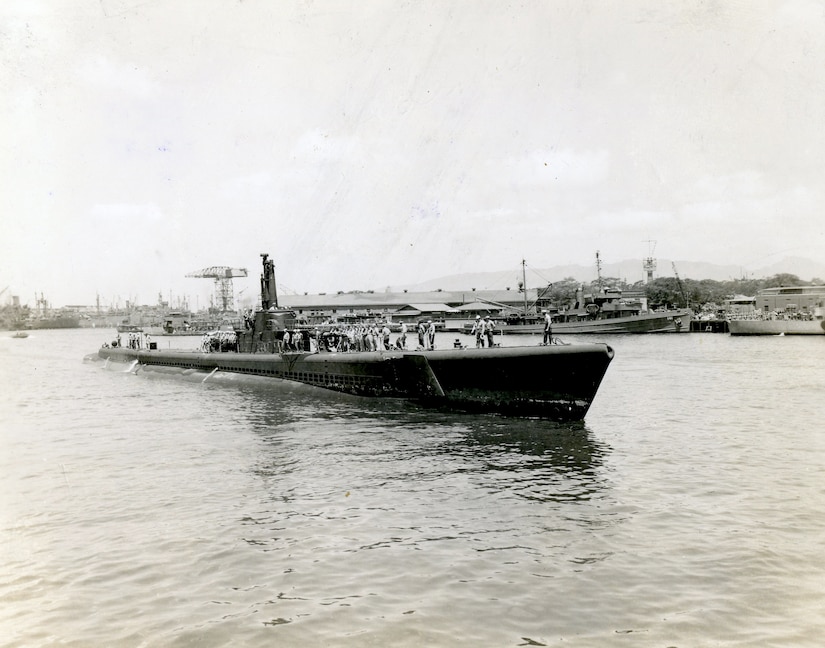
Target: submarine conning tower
{"type": "Point", "coordinates": [266, 328]}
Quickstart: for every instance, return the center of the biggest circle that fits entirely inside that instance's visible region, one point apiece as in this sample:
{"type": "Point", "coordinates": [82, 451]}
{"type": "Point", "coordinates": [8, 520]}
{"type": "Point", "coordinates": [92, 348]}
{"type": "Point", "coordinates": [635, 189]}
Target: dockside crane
{"type": "Point", "coordinates": [224, 290]}
{"type": "Point", "coordinates": [681, 286]}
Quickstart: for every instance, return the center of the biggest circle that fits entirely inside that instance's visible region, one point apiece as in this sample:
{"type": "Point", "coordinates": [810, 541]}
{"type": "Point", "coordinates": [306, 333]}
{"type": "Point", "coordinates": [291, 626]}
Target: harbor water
{"type": "Point", "coordinates": [144, 508]}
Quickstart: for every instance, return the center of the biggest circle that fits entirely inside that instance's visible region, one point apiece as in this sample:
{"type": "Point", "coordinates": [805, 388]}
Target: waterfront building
{"type": "Point", "coordinates": [438, 305]}
{"type": "Point", "coordinates": [802, 299]}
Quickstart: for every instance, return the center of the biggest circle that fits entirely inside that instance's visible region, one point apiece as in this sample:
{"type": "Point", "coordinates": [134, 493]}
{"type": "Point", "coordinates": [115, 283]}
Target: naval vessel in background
{"type": "Point", "coordinates": [785, 310]}
{"type": "Point", "coordinates": [603, 310]}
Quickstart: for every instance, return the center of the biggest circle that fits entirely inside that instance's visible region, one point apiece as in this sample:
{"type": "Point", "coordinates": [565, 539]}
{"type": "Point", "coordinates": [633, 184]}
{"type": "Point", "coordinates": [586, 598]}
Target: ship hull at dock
{"type": "Point", "coordinates": [776, 327]}
{"type": "Point", "coordinates": [676, 321]}
{"type": "Point", "coordinates": [556, 382]}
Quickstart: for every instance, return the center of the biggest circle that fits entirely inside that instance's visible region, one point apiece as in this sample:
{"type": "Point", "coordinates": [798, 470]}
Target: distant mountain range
{"type": "Point", "coordinates": [629, 270]}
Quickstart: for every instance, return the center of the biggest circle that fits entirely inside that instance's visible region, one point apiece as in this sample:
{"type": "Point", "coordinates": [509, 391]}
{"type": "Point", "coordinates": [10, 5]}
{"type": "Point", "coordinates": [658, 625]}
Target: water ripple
{"type": "Point", "coordinates": [155, 509]}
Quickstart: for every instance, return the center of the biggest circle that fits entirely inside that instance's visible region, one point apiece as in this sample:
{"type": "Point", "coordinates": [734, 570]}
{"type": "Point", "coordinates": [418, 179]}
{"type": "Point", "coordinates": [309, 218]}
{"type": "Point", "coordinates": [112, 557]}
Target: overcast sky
{"type": "Point", "coordinates": [371, 143]}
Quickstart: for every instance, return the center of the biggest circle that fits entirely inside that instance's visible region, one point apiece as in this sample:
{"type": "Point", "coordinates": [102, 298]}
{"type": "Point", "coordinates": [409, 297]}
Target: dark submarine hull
{"type": "Point", "coordinates": [556, 382]}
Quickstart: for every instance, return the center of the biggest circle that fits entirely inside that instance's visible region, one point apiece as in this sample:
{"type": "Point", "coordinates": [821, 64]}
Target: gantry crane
{"type": "Point", "coordinates": [223, 275]}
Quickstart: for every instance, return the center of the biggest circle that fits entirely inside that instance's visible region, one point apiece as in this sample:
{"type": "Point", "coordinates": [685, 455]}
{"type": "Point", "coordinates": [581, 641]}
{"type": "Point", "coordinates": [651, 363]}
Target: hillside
{"type": "Point", "coordinates": [630, 270]}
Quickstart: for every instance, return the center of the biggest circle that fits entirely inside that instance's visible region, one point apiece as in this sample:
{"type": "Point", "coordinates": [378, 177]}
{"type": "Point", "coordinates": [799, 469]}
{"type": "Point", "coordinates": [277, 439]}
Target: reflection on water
{"type": "Point", "coordinates": [347, 474]}
{"type": "Point", "coordinates": [539, 460]}
{"type": "Point", "coordinates": [357, 493]}
{"type": "Point", "coordinates": [531, 458]}
{"type": "Point", "coordinates": [354, 475]}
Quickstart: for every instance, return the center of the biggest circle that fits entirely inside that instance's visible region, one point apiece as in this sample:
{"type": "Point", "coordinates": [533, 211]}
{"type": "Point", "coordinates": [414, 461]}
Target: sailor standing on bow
{"type": "Point", "coordinates": [478, 329]}
{"type": "Point", "coordinates": [489, 330]}
{"type": "Point", "coordinates": [548, 328]}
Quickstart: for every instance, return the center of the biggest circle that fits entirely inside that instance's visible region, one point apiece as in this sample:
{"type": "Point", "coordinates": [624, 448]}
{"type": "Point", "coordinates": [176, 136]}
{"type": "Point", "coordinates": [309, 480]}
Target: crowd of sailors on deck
{"type": "Point", "coordinates": [345, 338]}
{"type": "Point", "coordinates": [222, 341]}
{"type": "Point", "coordinates": [336, 338]}
{"type": "Point", "coordinates": [484, 329]}
{"type": "Point", "coordinates": [133, 341]}
{"type": "Point", "coordinates": [800, 315]}
{"type": "Point", "coordinates": [375, 336]}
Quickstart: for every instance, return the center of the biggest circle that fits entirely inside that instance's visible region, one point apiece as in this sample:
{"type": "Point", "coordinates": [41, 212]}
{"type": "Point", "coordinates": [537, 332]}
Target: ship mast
{"type": "Point", "coordinates": [649, 264]}
{"type": "Point", "coordinates": [524, 285]}
{"type": "Point", "coordinates": [599, 271]}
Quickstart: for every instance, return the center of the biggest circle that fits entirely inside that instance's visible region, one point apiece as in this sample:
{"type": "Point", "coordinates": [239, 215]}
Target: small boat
{"type": "Point", "coordinates": [184, 324]}
{"type": "Point", "coordinates": [556, 381]}
{"type": "Point", "coordinates": [125, 327]}
{"type": "Point", "coordinates": [20, 335]}
{"type": "Point", "coordinates": [709, 324]}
